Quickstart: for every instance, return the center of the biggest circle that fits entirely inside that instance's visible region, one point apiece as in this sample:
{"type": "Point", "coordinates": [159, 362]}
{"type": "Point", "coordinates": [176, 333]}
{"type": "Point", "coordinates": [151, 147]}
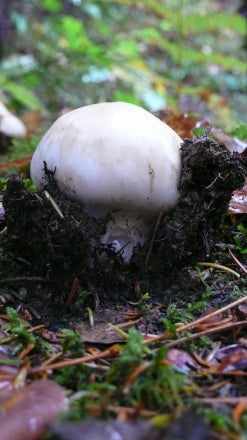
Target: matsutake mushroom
{"type": "Point", "coordinates": [115, 158]}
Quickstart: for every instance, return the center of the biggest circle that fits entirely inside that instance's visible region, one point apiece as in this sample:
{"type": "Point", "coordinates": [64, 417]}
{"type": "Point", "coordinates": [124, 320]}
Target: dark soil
{"type": "Point", "coordinates": [209, 176]}
{"type": "Point", "coordinates": [46, 253]}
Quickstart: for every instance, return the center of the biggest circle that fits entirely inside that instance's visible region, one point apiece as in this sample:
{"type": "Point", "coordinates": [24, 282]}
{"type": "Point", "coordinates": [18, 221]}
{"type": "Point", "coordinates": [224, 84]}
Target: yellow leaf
{"type": "Point", "coordinates": [159, 86]}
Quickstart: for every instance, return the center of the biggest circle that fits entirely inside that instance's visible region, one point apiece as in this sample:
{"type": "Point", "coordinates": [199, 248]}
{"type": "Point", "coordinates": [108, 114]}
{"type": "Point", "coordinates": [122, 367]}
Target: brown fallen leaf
{"type": "Point", "coordinates": [242, 310]}
{"type": "Point", "coordinates": [232, 358]}
{"type": "Point", "coordinates": [25, 413]}
{"type": "Point", "coordinates": [231, 143]}
{"type": "Point", "coordinates": [181, 359]}
{"type": "Point", "coordinates": [101, 333]}
{"type": "Point", "coordinates": [183, 123]}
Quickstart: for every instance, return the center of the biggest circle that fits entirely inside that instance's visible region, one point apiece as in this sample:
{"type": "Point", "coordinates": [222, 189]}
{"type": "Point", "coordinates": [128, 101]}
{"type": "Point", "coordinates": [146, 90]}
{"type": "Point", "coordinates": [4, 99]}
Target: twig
{"type": "Point", "coordinates": [117, 409]}
{"type": "Point", "coordinates": [72, 292]}
{"type": "Point", "coordinates": [210, 315]}
{"type": "Point", "coordinates": [237, 262]}
{"type": "Point", "coordinates": [205, 333]}
{"type": "Point", "coordinates": [153, 237]}
{"type": "Point", "coordinates": [114, 350]}
{"type": "Point", "coordinates": [226, 400]}
{"type": "Point", "coordinates": [218, 266]}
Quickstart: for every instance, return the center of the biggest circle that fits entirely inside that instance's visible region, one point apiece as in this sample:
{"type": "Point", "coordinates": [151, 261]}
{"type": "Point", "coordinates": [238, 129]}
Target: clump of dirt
{"type": "Point", "coordinates": [51, 237]}
{"type": "Point", "coordinates": [60, 245]}
{"type": "Point", "coordinates": [209, 176]}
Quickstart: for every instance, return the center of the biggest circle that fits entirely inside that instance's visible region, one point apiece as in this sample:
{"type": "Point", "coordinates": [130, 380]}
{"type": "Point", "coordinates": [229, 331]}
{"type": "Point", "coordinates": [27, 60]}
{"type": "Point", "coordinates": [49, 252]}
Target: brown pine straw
{"type": "Point", "coordinates": [72, 293]}
{"type": "Point", "coordinates": [210, 315]}
{"type": "Point", "coordinates": [242, 267]}
{"type": "Point", "coordinates": [199, 321]}
{"type": "Point", "coordinates": [26, 351]}
{"type": "Point", "coordinates": [112, 351]}
{"type": "Point", "coordinates": [238, 412]}
{"type": "Point", "coordinates": [97, 410]}
{"type": "Point", "coordinates": [223, 400]}
{"type": "Point", "coordinates": [115, 349]}
{"type": "Point", "coordinates": [133, 376]}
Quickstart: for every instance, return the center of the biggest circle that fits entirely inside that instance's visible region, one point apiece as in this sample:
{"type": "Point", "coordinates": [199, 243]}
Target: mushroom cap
{"type": "Point", "coordinates": [10, 125]}
{"type": "Point", "coordinates": [112, 156]}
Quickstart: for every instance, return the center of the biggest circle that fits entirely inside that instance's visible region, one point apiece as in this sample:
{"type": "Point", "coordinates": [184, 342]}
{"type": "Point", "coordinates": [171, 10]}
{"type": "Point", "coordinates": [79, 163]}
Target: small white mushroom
{"type": "Point", "coordinates": [115, 158]}
{"type": "Point", "coordinates": [10, 125]}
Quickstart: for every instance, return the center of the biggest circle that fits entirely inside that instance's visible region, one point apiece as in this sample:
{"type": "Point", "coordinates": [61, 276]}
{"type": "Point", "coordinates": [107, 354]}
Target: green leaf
{"type": "Point", "coordinates": [127, 49]}
{"type": "Point", "coordinates": [240, 131]}
{"type": "Point", "coordinates": [150, 34]}
{"type": "Point", "coordinates": [121, 95]}
{"type": "Point", "coordinates": [23, 95]}
{"type": "Point", "coordinates": [198, 23]}
{"type": "Point", "coordinates": [74, 33]}
{"type": "Point", "coordinates": [52, 5]}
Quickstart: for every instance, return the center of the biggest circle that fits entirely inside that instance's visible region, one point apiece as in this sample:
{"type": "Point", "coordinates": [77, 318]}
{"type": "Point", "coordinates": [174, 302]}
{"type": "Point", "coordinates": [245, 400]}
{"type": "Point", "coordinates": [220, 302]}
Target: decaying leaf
{"type": "Point", "coordinates": [25, 413]}
{"type": "Point", "coordinates": [181, 359]}
{"type": "Point", "coordinates": [98, 430]}
{"type": "Point", "coordinates": [231, 143]}
{"type": "Point", "coordinates": [183, 123]}
{"type": "Point", "coordinates": [101, 333]}
{"type": "Point", "coordinates": [232, 358]}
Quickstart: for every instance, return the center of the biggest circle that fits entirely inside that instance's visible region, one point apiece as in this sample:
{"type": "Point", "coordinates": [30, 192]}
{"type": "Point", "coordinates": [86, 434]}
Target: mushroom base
{"type": "Point", "coordinates": [125, 231]}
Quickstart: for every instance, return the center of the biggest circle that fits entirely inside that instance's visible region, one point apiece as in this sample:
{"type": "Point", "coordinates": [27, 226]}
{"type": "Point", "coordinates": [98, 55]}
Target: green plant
{"type": "Point", "coordinates": [188, 312]}
{"type": "Point", "coordinates": [3, 182]}
{"type": "Point", "coordinates": [20, 337]}
{"type": "Point", "coordinates": [143, 305]}
{"type": "Point", "coordinates": [240, 238]}
{"type": "Point", "coordinates": [26, 147]}
{"type": "Point", "coordinates": [157, 385]}
{"type": "Point", "coordinates": [149, 53]}
{"type": "Point", "coordinates": [82, 297]}
{"type": "Point", "coordinates": [74, 377]}
{"type": "Point", "coordinates": [72, 344]}
{"type": "Point", "coordinates": [240, 131]}
{"type": "Point", "coordinates": [220, 420]}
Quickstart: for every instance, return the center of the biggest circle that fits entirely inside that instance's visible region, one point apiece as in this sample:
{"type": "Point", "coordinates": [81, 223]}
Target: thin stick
{"type": "Point", "coordinates": [216, 312]}
{"type": "Point", "coordinates": [237, 262]}
{"type": "Point", "coordinates": [84, 359]}
{"type": "Point", "coordinates": [217, 400]}
{"type": "Point", "coordinates": [153, 237]}
{"type": "Point", "coordinates": [72, 292]}
{"type": "Point", "coordinates": [205, 333]}
{"type": "Point", "coordinates": [218, 266]}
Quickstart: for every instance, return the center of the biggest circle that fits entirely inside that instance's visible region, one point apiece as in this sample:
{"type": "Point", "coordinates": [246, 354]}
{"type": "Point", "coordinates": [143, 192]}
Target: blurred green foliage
{"type": "Point", "coordinates": [185, 54]}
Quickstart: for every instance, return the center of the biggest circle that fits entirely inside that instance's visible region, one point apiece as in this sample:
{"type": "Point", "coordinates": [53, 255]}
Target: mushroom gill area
{"type": "Point", "coordinates": [51, 250]}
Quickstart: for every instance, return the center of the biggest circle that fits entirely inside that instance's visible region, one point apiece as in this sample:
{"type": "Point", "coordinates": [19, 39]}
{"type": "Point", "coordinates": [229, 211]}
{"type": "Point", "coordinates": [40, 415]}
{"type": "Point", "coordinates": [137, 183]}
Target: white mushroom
{"type": "Point", "coordinates": [10, 125]}
{"type": "Point", "coordinates": [115, 158]}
